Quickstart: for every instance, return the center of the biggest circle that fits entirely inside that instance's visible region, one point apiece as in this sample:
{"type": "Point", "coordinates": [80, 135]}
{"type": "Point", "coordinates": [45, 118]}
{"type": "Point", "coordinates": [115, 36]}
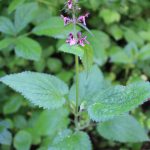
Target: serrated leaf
{"type": "Point", "coordinates": [87, 58]}
{"type": "Point", "coordinates": [72, 49]}
{"type": "Point", "coordinates": [41, 89]}
{"type": "Point", "coordinates": [52, 26]}
{"type": "Point", "coordinates": [6, 26]}
{"type": "Point", "coordinates": [118, 100]}
{"type": "Point", "coordinates": [5, 42]}
{"type": "Point", "coordinates": [24, 15]}
{"type": "Point", "coordinates": [83, 26]}
{"type": "Point", "coordinates": [52, 121]}
{"type": "Point", "coordinates": [87, 87]}
{"type": "Point", "coordinates": [125, 128]}
{"type": "Point", "coordinates": [14, 4]}
{"type": "Point", "coordinates": [13, 104]}
{"type": "Point", "coordinates": [5, 137]}
{"type": "Point", "coordinates": [67, 141]}
{"type": "Point", "coordinates": [22, 140]}
{"type": "Point", "coordinates": [28, 48]}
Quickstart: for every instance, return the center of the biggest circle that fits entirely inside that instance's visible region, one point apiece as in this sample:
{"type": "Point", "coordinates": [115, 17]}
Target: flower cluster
{"type": "Point", "coordinates": [72, 40]}
{"type": "Point", "coordinates": [70, 4]}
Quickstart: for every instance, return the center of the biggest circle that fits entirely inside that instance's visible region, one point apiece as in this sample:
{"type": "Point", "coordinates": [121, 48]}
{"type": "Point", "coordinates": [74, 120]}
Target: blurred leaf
{"type": "Point", "coordinates": [52, 26]}
{"type": "Point", "coordinates": [22, 140]}
{"type": "Point", "coordinates": [130, 36]}
{"type": "Point", "coordinates": [25, 14]}
{"type": "Point", "coordinates": [28, 48]}
{"type": "Point", "coordinates": [118, 100]}
{"type": "Point", "coordinates": [72, 49]}
{"type": "Point", "coordinates": [5, 137]}
{"type": "Point", "coordinates": [13, 104]}
{"type": "Point", "coordinates": [109, 16]}
{"type": "Point", "coordinates": [6, 26]}
{"type": "Point", "coordinates": [145, 35]}
{"type": "Point", "coordinates": [121, 128]}
{"type": "Point", "coordinates": [144, 53]}
{"type": "Point", "coordinates": [42, 89]}
{"type": "Point", "coordinates": [87, 58]}
{"type": "Point", "coordinates": [39, 65]}
{"type": "Point", "coordinates": [20, 122]}
{"type": "Point", "coordinates": [14, 4]}
{"type": "Point", "coordinates": [5, 42]}
{"type": "Point", "coordinates": [52, 121]}
{"type": "Point", "coordinates": [88, 87]}
{"type": "Point", "coordinates": [54, 65]}
{"type": "Point", "coordinates": [115, 31]}
{"type": "Point", "coordinates": [70, 141]}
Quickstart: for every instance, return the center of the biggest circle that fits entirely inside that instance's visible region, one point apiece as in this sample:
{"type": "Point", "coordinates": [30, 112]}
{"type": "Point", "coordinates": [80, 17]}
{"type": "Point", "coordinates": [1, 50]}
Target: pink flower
{"type": "Point", "coordinates": [71, 39]}
{"type": "Point", "coordinates": [82, 18]}
{"type": "Point", "coordinates": [69, 4]}
{"type": "Point", "coordinates": [81, 40]}
{"type": "Point", "coordinates": [66, 20]}
{"type": "Point", "coordinates": [78, 9]}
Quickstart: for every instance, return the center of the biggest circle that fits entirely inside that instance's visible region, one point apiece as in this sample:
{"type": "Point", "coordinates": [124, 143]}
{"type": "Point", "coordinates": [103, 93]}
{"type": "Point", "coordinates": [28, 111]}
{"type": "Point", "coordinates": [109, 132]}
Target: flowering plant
{"type": "Point", "coordinates": [86, 97]}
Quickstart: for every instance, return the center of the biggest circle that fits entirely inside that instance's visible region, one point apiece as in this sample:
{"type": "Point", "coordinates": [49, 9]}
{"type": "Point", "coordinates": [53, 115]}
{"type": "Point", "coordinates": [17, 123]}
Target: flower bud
{"type": "Point", "coordinates": [83, 104]}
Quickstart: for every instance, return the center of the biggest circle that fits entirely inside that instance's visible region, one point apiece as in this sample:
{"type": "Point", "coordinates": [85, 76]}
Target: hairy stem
{"type": "Point", "coordinates": [77, 71]}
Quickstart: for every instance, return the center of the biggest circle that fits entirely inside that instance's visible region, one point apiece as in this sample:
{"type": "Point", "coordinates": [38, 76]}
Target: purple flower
{"type": "Point", "coordinates": [66, 20]}
{"type": "Point", "coordinates": [82, 18]}
{"type": "Point", "coordinates": [71, 39]}
{"type": "Point", "coordinates": [69, 4]}
{"type": "Point", "coordinates": [81, 40]}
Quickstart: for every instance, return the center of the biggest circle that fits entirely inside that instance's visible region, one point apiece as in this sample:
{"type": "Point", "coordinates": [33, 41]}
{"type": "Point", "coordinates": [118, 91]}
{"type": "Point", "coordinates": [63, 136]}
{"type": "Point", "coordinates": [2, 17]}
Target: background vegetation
{"type": "Point", "coordinates": [121, 47]}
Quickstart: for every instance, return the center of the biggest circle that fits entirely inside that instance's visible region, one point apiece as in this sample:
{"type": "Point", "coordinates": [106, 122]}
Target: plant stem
{"type": "Point", "coordinates": [77, 71]}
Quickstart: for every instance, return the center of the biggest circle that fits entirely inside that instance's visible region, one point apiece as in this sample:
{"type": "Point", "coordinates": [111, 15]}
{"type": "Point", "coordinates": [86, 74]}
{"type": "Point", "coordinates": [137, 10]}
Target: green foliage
{"type": "Point", "coordinates": [5, 42]}
{"type": "Point", "coordinates": [25, 14]}
{"type": "Point", "coordinates": [66, 140]}
{"type": "Point", "coordinates": [27, 48]}
{"type": "Point", "coordinates": [118, 100]}
{"type": "Point", "coordinates": [123, 129]}
{"type": "Point", "coordinates": [88, 86]}
{"type": "Point", "coordinates": [44, 90]}
{"type": "Point", "coordinates": [87, 58]}
{"type": "Point", "coordinates": [22, 140]}
{"type": "Point", "coordinates": [13, 104]}
{"type": "Point", "coordinates": [52, 121]}
{"type": "Point", "coordinates": [72, 49]}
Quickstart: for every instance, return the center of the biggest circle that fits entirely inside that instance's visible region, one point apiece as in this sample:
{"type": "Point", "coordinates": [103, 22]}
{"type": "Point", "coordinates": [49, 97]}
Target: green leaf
{"type": "Point", "coordinates": [13, 104]}
{"type": "Point", "coordinates": [87, 87]}
{"type": "Point", "coordinates": [130, 36]}
{"type": "Point", "coordinates": [118, 100]}
{"type": "Point", "coordinates": [52, 121]}
{"type": "Point", "coordinates": [123, 129]}
{"type": "Point", "coordinates": [5, 42]}
{"type": "Point", "coordinates": [109, 16]}
{"type": "Point", "coordinates": [25, 14]}
{"type": "Point", "coordinates": [5, 137]}
{"type": "Point", "coordinates": [72, 49]}
{"type": "Point", "coordinates": [6, 26]}
{"type": "Point", "coordinates": [52, 26]}
{"type": "Point", "coordinates": [14, 4]}
{"type": "Point", "coordinates": [42, 89]}
{"type": "Point", "coordinates": [120, 57]}
{"type": "Point", "coordinates": [28, 48]}
{"type": "Point", "coordinates": [83, 26]}
{"type": "Point", "coordinates": [22, 140]}
{"type": "Point", "coordinates": [145, 35]}
{"type": "Point", "coordinates": [99, 43]}
{"type": "Point", "coordinates": [115, 31]}
{"type": "Point", "coordinates": [144, 53]}
{"type": "Point", "coordinates": [67, 141]}
{"type": "Point", "coordinates": [87, 58]}
{"type": "Point", "coordinates": [20, 122]}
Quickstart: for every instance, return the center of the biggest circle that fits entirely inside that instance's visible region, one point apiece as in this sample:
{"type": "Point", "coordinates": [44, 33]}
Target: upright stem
{"type": "Point", "coordinates": [77, 71]}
